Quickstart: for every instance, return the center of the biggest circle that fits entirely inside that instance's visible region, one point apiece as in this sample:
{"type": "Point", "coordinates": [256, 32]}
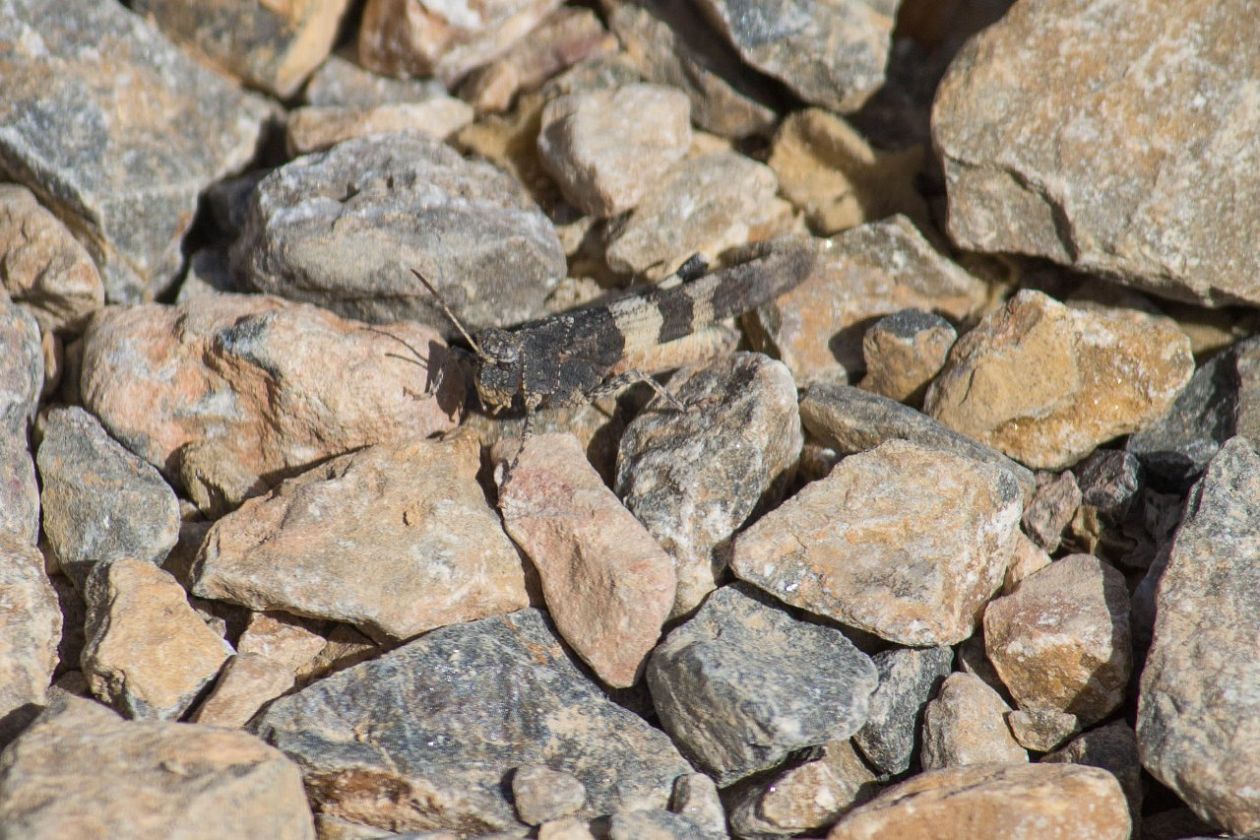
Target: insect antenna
{"type": "Point", "coordinates": [450, 316]}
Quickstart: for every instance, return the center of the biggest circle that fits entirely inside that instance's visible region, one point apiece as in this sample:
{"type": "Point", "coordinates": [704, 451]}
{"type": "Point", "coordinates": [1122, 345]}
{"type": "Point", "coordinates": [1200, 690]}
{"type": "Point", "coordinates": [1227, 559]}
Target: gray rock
{"type": "Point", "coordinates": [541, 794]}
{"type": "Point", "coordinates": [344, 228]}
{"type": "Point", "coordinates": [30, 628]}
{"type": "Point", "coordinates": [19, 489]}
{"type": "Point", "coordinates": [340, 82]}
{"type": "Point", "coordinates": [658, 824]}
{"type": "Point", "coordinates": [21, 368]}
{"type": "Point", "coordinates": [1111, 481]}
{"type": "Point", "coordinates": [742, 684]}
{"type": "Point", "coordinates": [908, 679]}
{"type": "Point", "coordinates": [1114, 748]}
{"type": "Point", "coordinates": [696, 797]}
{"type": "Point", "coordinates": [126, 170]}
{"type": "Point", "coordinates": [424, 736]}
{"type": "Point", "coordinates": [1051, 509]}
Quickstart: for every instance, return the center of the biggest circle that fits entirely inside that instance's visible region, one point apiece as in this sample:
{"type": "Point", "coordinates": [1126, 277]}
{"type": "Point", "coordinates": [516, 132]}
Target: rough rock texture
{"type": "Point", "coordinates": [246, 683]}
{"type": "Point", "coordinates": [340, 82]}
{"type": "Point", "coordinates": [1199, 708]}
{"type": "Point", "coordinates": [21, 369]}
{"type": "Point", "coordinates": [695, 796]}
{"type": "Point", "coordinates": [430, 553]}
{"type": "Point", "coordinates": [422, 737]}
{"type": "Point", "coordinates": [541, 794]}
{"type": "Point", "coordinates": [742, 684]}
{"type": "Point", "coordinates": [908, 679]}
{"type": "Point", "coordinates": [694, 477]}
{"type": "Point", "coordinates": [1046, 383]}
{"type": "Point", "coordinates": [657, 824]}
{"type": "Point", "coordinates": [313, 129]}
{"type": "Point", "coordinates": [1028, 802]}
{"type": "Point", "coordinates": [281, 638]}
{"type": "Point", "coordinates": [125, 164]}
{"type": "Point", "coordinates": [1114, 748]}
{"type": "Point", "coordinates": [904, 542]}
{"type": "Point", "coordinates": [1027, 558]}
{"type": "Point", "coordinates": [1041, 730]}
{"type": "Point", "coordinates": [903, 352]}
{"type": "Point", "coordinates": [145, 780]}
{"type": "Point", "coordinates": [1052, 507]}
{"type": "Point", "coordinates": [608, 585]}
{"type": "Point", "coordinates": [30, 628]}
{"type": "Point", "coordinates": [966, 724]}
{"type": "Point", "coordinates": [231, 391]}
{"type": "Point", "coordinates": [19, 489]}
{"type": "Point", "coordinates": [1100, 163]}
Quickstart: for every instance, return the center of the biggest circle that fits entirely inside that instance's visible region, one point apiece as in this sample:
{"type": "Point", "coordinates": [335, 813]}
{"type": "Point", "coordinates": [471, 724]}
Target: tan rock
{"type": "Point", "coordinates": [19, 489]}
{"type": "Point", "coordinates": [312, 129]}
{"type": "Point", "coordinates": [1014, 802]}
{"type": "Point", "coordinates": [1114, 748]}
{"type": "Point", "coordinates": [608, 586]}
{"type": "Point", "coordinates": [903, 352]}
{"type": "Point", "coordinates": [345, 647]}
{"type": "Point", "coordinates": [966, 724]}
{"type": "Point", "coordinates": [247, 681]}
{"type": "Point", "coordinates": [1028, 557]}
{"type": "Point", "coordinates": [569, 828]}
{"type": "Point", "coordinates": [281, 638]}
{"type": "Point", "coordinates": [1041, 730]}
{"type": "Point", "coordinates": [30, 628]}
{"type": "Point", "coordinates": [541, 794]}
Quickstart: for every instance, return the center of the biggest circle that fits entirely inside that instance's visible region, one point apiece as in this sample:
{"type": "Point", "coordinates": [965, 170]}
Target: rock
{"type": "Point", "coordinates": [340, 82]}
{"type": "Point", "coordinates": [1199, 705]}
{"type": "Point", "coordinates": [695, 477]}
{"type": "Point", "coordinates": [344, 228]}
{"type": "Point", "coordinates": [831, 54]}
{"type": "Point", "coordinates": [282, 638]}
{"type": "Point", "coordinates": [972, 659]}
{"type": "Point", "coordinates": [908, 679]}
{"type": "Point", "coordinates": [1061, 640]}
{"type": "Point", "coordinates": [267, 45]}
{"type": "Point", "coordinates": [431, 553]}
{"type": "Point", "coordinates": [101, 503]}
{"type": "Point", "coordinates": [966, 724]}
{"type": "Point", "coordinates": [563, 829]}
{"type": "Point", "coordinates": [1020, 802]}
{"type": "Point", "coordinates": [233, 392]}
{"type": "Point", "coordinates": [1052, 507]}
{"type": "Point", "coordinates": [607, 148]}
{"type": "Point", "coordinates": [145, 779]}
{"type": "Point", "coordinates": [247, 682]}
{"type": "Point", "coordinates": [19, 490]}
{"type": "Point", "coordinates": [124, 171]}
{"type": "Point", "coordinates": [30, 628]}
{"type": "Point", "coordinates": [147, 653]}
{"type": "Point", "coordinates": [1098, 165]}
{"type": "Point", "coordinates": [1047, 384]}
{"type": "Point", "coordinates": [343, 648]}
{"type": "Point", "coordinates": [208, 274]}
{"type": "Point", "coordinates": [422, 737]}
{"type": "Point", "coordinates": [541, 794]}
{"type": "Point", "coordinates": [742, 684]}
{"type": "Point", "coordinates": [314, 129]}
{"type": "Point", "coordinates": [1027, 558]}
{"type": "Point", "coordinates": [860, 275]}
{"type": "Point", "coordinates": [45, 267]}
{"type": "Point", "coordinates": [904, 542]}
{"type": "Point", "coordinates": [1041, 730]}
{"type": "Point", "coordinates": [1114, 748]}
{"type": "Point", "coordinates": [1111, 480]}
{"type": "Point", "coordinates": [21, 369]}
{"type": "Point", "coordinates": [903, 352]}
{"type": "Point", "coordinates": [657, 824]}
{"type": "Point", "coordinates": [696, 797]}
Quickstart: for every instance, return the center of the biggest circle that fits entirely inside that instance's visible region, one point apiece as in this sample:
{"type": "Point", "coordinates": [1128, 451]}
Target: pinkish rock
{"type": "Point", "coordinates": [966, 724]}
{"type": "Point", "coordinates": [30, 628]}
{"type": "Point", "coordinates": [313, 128]}
{"type": "Point", "coordinates": [281, 638]}
{"type": "Point", "coordinates": [1052, 508]}
{"type": "Point", "coordinates": [246, 683]}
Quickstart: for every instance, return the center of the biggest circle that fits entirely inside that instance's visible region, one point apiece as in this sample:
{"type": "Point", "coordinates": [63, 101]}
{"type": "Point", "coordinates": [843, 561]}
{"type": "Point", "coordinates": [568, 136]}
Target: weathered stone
{"type": "Point", "coordinates": [742, 684]}
{"type": "Point", "coordinates": [1100, 164]}
{"type": "Point", "coordinates": [1041, 730]}
{"type": "Point", "coordinates": [344, 648]}
{"type": "Point", "coordinates": [695, 796]}
{"type": "Point", "coordinates": [340, 82]}
{"type": "Point", "coordinates": [431, 553]}
{"type": "Point", "coordinates": [1051, 508]}
{"type": "Point", "coordinates": [422, 737]}
{"type": "Point", "coordinates": [1019, 802]}
{"type": "Point", "coordinates": [1061, 640]}
{"type": "Point", "coordinates": [657, 824]}
{"type": "Point", "coordinates": [314, 129]}
{"type": "Point", "coordinates": [19, 490]}
{"type": "Point", "coordinates": [1114, 748]}
{"type": "Point", "coordinates": [246, 683]}
{"type": "Point", "coordinates": [831, 54]}
{"type": "Point", "coordinates": [1111, 480]}
{"type": "Point", "coordinates": [903, 352]}
{"type": "Point", "coordinates": [904, 542]}
{"type": "Point", "coordinates": [21, 369]}
{"type": "Point", "coordinates": [147, 652]}
{"type": "Point", "coordinates": [344, 228]}
{"type": "Point", "coordinates": [908, 679]}
{"type": "Point", "coordinates": [1028, 557]}
{"type": "Point", "coordinates": [972, 659]}
{"type": "Point", "coordinates": [124, 163]}
{"type": "Point", "coordinates": [541, 794]}
{"type": "Point", "coordinates": [209, 273]}
{"type": "Point", "coordinates": [861, 275]}
{"type": "Point", "coordinates": [231, 392]}
{"type": "Point", "coordinates": [1199, 708]}
{"type": "Point", "coordinates": [101, 503]}
{"type": "Point", "coordinates": [966, 724]}
{"type": "Point", "coordinates": [1047, 384]}
{"type": "Point", "coordinates": [145, 779]}
{"type": "Point", "coordinates": [694, 477]}
{"type": "Point", "coordinates": [281, 638]}
{"type": "Point", "coordinates": [30, 628]}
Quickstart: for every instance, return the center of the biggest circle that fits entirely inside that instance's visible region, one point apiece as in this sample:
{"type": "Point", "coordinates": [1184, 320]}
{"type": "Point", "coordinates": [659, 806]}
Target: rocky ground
{"type": "Point", "coordinates": [956, 539]}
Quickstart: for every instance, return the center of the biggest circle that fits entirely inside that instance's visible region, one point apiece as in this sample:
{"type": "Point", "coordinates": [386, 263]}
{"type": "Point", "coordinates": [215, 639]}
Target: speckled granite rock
{"type": "Point", "coordinates": [908, 679]}
{"type": "Point", "coordinates": [30, 628]}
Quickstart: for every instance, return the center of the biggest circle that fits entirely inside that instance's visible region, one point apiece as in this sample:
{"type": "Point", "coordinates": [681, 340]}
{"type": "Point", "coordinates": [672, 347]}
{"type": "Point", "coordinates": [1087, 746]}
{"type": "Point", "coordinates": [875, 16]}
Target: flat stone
{"type": "Point", "coordinates": [966, 724]}
{"type": "Point", "coordinates": [344, 228]}
{"type": "Point", "coordinates": [1019, 802]}
{"type": "Point", "coordinates": [30, 629]}
{"type": "Point", "coordinates": [742, 684]}
{"type": "Point", "coordinates": [1051, 509]}
{"type": "Point", "coordinates": [314, 129]}
{"type": "Point", "coordinates": [124, 165]}
{"type": "Point", "coordinates": [232, 392]}
{"type": "Point", "coordinates": [657, 824]}
{"type": "Point", "coordinates": [1114, 748]}
{"type": "Point", "coordinates": [147, 653]}
{"type": "Point", "coordinates": [1047, 384]}
{"type": "Point", "coordinates": [432, 552]}
{"type": "Point", "coordinates": [1199, 705]}
{"type": "Point", "coordinates": [908, 679]}
{"type": "Point", "coordinates": [101, 503]}
{"type": "Point", "coordinates": [696, 797]}
{"type": "Point", "coordinates": [423, 737]}
{"type": "Point", "coordinates": [831, 54]}
{"type": "Point", "coordinates": [146, 779]}
{"type": "Point", "coordinates": [1099, 164]}
{"type": "Point", "coordinates": [861, 275]}
{"type": "Point", "coordinates": [1041, 730]}
{"type": "Point", "coordinates": [541, 794]}
{"type": "Point", "coordinates": [281, 638]}
{"type": "Point", "coordinates": [19, 489]}
{"type": "Point", "coordinates": [21, 369]}
{"type": "Point", "coordinates": [695, 477]}
{"type": "Point", "coordinates": [902, 541]}
{"type": "Point", "coordinates": [247, 682]}
{"type": "Point", "coordinates": [903, 352]}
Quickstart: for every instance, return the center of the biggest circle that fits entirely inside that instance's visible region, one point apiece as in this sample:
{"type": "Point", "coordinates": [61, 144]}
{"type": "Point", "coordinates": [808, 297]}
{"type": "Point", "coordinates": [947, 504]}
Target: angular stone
{"type": "Point", "coordinates": [147, 652]}
{"type": "Point", "coordinates": [1199, 707]}
{"type": "Point", "coordinates": [608, 585]}
{"type": "Point", "coordinates": [422, 737]}
{"type": "Point", "coordinates": [125, 164]}
{"type": "Point", "coordinates": [657, 824]}
{"type": "Point", "coordinates": [696, 797]}
{"type": "Point", "coordinates": [145, 779]}
{"type": "Point", "coordinates": [344, 228]}
{"type": "Point", "coordinates": [101, 503]}
{"type": "Point", "coordinates": [694, 477]}
{"type": "Point", "coordinates": [1041, 730]}
{"type": "Point", "coordinates": [908, 679]}
{"type": "Point", "coordinates": [232, 392]}
{"type": "Point", "coordinates": [904, 542]}
{"type": "Point", "coordinates": [30, 628]}
{"type": "Point", "coordinates": [742, 684]}
{"type": "Point", "coordinates": [282, 638]}
{"type": "Point", "coordinates": [19, 489]}
{"type": "Point", "coordinates": [431, 553]}
{"type": "Point", "coordinates": [903, 352]}
{"type": "Point", "coordinates": [246, 683]}
{"type": "Point", "coordinates": [1027, 558]}
{"type": "Point", "coordinates": [861, 275]}
{"type": "Point", "coordinates": [314, 129]}
{"type": "Point", "coordinates": [541, 794]}
{"type": "Point", "coordinates": [1019, 802]}
{"type": "Point", "coordinates": [1052, 507]}
{"type": "Point", "coordinates": [1111, 481]}
{"type": "Point", "coordinates": [966, 724]}
{"type": "Point", "coordinates": [21, 369]}
{"type": "Point", "coordinates": [340, 82]}
{"type": "Point", "coordinates": [1114, 748]}
{"type": "Point", "coordinates": [1047, 384]}
{"type": "Point", "coordinates": [1100, 164]}
{"type": "Point", "coordinates": [1061, 640]}
{"type": "Point", "coordinates": [343, 648]}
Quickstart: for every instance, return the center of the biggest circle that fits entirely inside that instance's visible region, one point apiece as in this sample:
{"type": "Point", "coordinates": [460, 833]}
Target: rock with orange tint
{"type": "Point", "coordinates": [966, 724]}
{"type": "Point", "coordinates": [282, 638]}
{"type": "Point", "coordinates": [247, 682]}
{"type": "Point", "coordinates": [313, 128]}
{"type": "Point", "coordinates": [30, 628]}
